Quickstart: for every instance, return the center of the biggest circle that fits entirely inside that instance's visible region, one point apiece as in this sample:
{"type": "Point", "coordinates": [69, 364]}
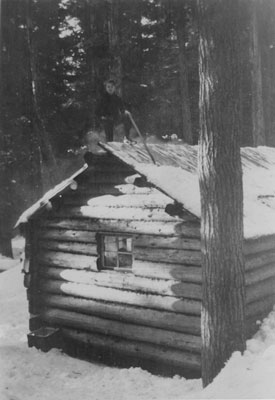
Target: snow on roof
{"type": "Point", "coordinates": [43, 201]}
{"type": "Point", "coordinates": [175, 174]}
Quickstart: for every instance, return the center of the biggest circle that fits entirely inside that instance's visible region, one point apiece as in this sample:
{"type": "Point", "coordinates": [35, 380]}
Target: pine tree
{"type": "Point", "coordinates": [221, 184]}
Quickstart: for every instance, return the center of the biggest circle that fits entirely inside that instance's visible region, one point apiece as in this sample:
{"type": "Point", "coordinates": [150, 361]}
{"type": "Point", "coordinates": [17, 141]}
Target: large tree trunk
{"type": "Point", "coordinates": [266, 38]}
{"type": "Point", "coordinates": [38, 121]}
{"type": "Point", "coordinates": [113, 34]}
{"type": "Point", "coordinates": [181, 21]}
{"type": "Point", "coordinates": [258, 129]}
{"type": "Point", "coordinates": [220, 184]}
{"type": "Point", "coordinates": [20, 171]}
{"type": "Point", "coordinates": [5, 180]}
{"type": "Point", "coordinates": [91, 36]}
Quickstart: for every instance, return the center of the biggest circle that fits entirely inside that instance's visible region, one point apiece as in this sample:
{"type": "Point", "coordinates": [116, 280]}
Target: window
{"type": "Point", "coordinates": [116, 252]}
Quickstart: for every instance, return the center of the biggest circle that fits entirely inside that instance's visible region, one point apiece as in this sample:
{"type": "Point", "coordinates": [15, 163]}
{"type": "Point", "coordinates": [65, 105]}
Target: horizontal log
{"type": "Point", "coordinates": [138, 350]}
{"type": "Point", "coordinates": [260, 290]}
{"type": "Point", "coordinates": [123, 312]}
{"type": "Point", "coordinates": [260, 274]}
{"type": "Point", "coordinates": [259, 245]}
{"type": "Point", "coordinates": [151, 200]}
{"type": "Point", "coordinates": [264, 306]}
{"type": "Point", "coordinates": [67, 235]}
{"type": "Point", "coordinates": [101, 189]}
{"type": "Point", "coordinates": [118, 213]}
{"type": "Point", "coordinates": [189, 257]}
{"type": "Point", "coordinates": [147, 269]}
{"type": "Point", "coordinates": [167, 271]}
{"type": "Point", "coordinates": [125, 281]}
{"type": "Point", "coordinates": [121, 329]}
{"type": "Point", "coordinates": [162, 242]}
{"type": "Point", "coordinates": [153, 301]}
{"type": "Point", "coordinates": [70, 247]}
{"type": "Point", "coordinates": [188, 230]}
{"type": "Point", "coordinates": [67, 260]}
{"type": "Point", "coordinates": [175, 256]}
{"type": "Point", "coordinates": [260, 259]}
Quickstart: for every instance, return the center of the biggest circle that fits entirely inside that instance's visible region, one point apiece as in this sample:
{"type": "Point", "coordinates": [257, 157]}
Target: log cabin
{"type": "Point", "coordinates": [113, 256]}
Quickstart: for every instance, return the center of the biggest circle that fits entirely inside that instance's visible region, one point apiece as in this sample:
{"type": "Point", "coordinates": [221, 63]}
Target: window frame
{"type": "Point", "coordinates": [102, 252]}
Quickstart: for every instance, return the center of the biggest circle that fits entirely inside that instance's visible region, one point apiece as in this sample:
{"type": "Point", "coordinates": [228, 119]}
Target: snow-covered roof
{"type": "Point", "coordinates": [43, 201]}
{"type": "Point", "coordinates": [175, 174]}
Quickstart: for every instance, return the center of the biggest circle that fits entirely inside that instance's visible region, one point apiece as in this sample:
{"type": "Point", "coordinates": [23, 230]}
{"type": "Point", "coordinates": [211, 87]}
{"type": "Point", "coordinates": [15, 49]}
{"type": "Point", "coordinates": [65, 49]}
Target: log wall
{"type": "Point", "coordinates": [260, 280]}
{"type": "Point", "coordinates": [152, 312]}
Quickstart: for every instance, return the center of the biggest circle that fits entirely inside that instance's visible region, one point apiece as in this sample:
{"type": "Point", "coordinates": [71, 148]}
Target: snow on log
{"type": "Point", "coordinates": [67, 260]}
{"type": "Point", "coordinates": [125, 281]}
{"type": "Point", "coordinates": [123, 312]}
{"type": "Point", "coordinates": [124, 226]}
{"type": "Point", "coordinates": [153, 301]}
{"type": "Point", "coordinates": [186, 273]}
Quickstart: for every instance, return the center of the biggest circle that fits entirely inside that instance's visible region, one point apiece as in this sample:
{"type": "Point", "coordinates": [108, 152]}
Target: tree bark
{"type": "Point", "coordinates": [38, 122]}
{"type": "Point", "coordinates": [93, 30]}
{"type": "Point", "coordinates": [266, 34]}
{"type": "Point", "coordinates": [183, 70]}
{"type": "Point", "coordinates": [20, 172]}
{"type": "Point", "coordinates": [5, 182]}
{"type": "Point", "coordinates": [258, 128]}
{"type": "Point", "coordinates": [5, 159]}
{"type": "Point", "coordinates": [220, 184]}
{"type": "Point", "coordinates": [113, 34]}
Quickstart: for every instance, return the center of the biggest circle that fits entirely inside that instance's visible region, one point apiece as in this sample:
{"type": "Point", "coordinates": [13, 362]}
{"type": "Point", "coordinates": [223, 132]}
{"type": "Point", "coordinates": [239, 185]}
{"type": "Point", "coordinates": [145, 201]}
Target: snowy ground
{"type": "Point", "coordinates": [28, 374]}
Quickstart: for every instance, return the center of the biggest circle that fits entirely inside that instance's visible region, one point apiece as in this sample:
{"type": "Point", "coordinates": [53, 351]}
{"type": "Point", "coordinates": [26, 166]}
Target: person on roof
{"type": "Point", "coordinates": [111, 111]}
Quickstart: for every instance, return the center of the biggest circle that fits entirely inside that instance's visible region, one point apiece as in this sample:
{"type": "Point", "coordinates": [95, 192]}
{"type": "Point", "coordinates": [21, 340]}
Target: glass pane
{"type": "Point", "coordinates": [110, 259]}
{"type": "Point", "coordinates": [117, 252]}
{"type": "Point", "coordinates": [124, 260]}
{"type": "Point", "coordinates": [110, 243]}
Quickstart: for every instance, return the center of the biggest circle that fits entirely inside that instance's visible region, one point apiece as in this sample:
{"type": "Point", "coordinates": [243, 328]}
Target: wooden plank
{"type": "Point", "coordinates": [175, 256]}
{"type": "Point", "coordinates": [118, 213]}
{"type": "Point", "coordinates": [167, 271]}
{"type": "Point", "coordinates": [98, 189]}
{"type": "Point", "coordinates": [124, 312]}
{"type": "Point", "coordinates": [151, 200]}
{"type": "Point", "coordinates": [32, 277]}
{"type": "Point", "coordinates": [185, 273]}
{"type": "Point", "coordinates": [259, 274]}
{"type": "Point", "coordinates": [125, 281]}
{"type": "Point", "coordinates": [162, 242]}
{"type": "Point", "coordinates": [138, 350]}
{"type": "Point", "coordinates": [155, 255]}
{"type": "Point", "coordinates": [69, 247]}
{"type": "Point", "coordinates": [259, 259]}
{"type": "Point", "coordinates": [260, 290]}
{"type": "Point", "coordinates": [264, 306]}
{"type": "Point", "coordinates": [153, 301]}
{"type": "Point", "coordinates": [126, 226]}
{"type": "Point", "coordinates": [67, 235]}
{"type": "Point", "coordinates": [121, 329]}
{"type": "Point", "coordinates": [259, 245]}
{"type": "Point", "coordinates": [65, 260]}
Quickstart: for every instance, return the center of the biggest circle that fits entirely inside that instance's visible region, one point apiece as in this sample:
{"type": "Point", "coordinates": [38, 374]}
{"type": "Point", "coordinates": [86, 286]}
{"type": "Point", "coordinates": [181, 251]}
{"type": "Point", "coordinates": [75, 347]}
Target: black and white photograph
{"type": "Point", "coordinates": [137, 199]}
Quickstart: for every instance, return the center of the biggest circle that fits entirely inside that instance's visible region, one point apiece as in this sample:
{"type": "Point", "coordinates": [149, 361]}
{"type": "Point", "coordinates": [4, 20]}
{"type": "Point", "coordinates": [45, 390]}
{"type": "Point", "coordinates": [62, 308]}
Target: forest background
{"type": "Point", "coordinates": [55, 56]}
